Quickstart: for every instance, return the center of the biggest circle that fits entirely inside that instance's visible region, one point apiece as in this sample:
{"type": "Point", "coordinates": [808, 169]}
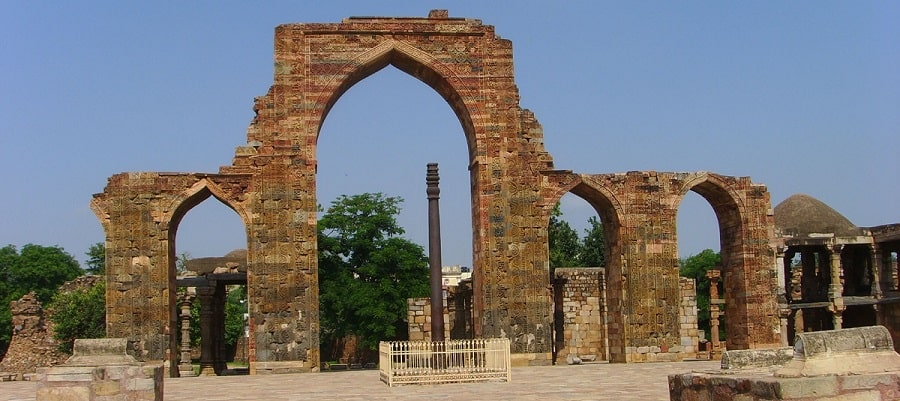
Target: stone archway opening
{"type": "Point", "coordinates": [208, 279]}
{"type": "Point", "coordinates": [731, 299]}
{"type": "Point", "coordinates": [421, 128]}
{"type": "Point", "coordinates": [578, 282]}
{"type": "Point", "coordinates": [698, 235]}
{"type": "Point", "coordinates": [598, 288]}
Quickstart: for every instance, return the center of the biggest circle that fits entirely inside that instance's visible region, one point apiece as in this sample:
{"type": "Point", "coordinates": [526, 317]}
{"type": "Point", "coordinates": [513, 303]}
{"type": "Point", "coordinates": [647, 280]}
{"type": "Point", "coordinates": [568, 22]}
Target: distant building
{"type": "Point", "coordinates": [834, 273]}
{"type": "Point", "coordinates": [452, 275]}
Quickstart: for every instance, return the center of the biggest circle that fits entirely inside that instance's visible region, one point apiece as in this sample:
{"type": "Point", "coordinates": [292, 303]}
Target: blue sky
{"type": "Point", "coordinates": [802, 96]}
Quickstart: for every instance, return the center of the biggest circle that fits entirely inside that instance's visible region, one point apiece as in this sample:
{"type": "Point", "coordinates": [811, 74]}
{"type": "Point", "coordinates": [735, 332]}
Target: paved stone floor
{"type": "Point", "coordinates": [599, 381]}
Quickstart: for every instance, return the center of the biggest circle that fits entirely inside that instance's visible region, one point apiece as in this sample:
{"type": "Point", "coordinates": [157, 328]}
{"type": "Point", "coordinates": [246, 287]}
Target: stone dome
{"type": "Point", "coordinates": [235, 260]}
{"type": "Point", "coordinates": [237, 253]}
{"type": "Point", "coordinates": [802, 215]}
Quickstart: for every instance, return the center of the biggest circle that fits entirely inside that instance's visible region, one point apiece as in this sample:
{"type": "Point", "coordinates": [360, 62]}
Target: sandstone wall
{"type": "Point", "coordinates": [581, 306]}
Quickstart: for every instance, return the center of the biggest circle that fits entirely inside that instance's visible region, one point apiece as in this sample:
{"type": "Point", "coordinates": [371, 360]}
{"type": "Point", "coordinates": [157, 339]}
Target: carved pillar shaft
{"type": "Point", "coordinates": [879, 264]}
{"type": "Point", "coordinates": [219, 334]}
{"type": "Point", "coordinates": [836, 288]}
{"type": "Point", "coordinates": [207, 362]}
{"type": "Point", "coordinates": [185, 368]}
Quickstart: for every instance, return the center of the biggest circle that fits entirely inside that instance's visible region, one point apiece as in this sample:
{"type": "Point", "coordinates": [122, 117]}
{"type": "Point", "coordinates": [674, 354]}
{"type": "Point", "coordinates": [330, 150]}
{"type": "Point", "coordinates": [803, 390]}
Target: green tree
{"type": "Point", "coordinates": [37, 268]}
{"type": "Point", "coordinates": [96, 259]}
{"type": "Point", "coordinates": [8, 256]}
{"type": "Point", "coordinates": [565, 246]}
{"type": "Point", "coordinates": [593, 246]}
{"type": "Point", "coordinates": [80, 313]}
{"type": "Point", "coordinates": [235, 308]}
{"type": "Point", "coordinates": [695, 267]}
{"type": "Point", "coordinates": [366, 270]}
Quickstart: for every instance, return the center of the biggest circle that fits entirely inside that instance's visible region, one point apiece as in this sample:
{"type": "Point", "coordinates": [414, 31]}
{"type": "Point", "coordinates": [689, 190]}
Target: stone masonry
{"type": "Point", "coordinates": [101, 370]}
{"type": "Point", "coordinates": [580, 316]}
{"type": "Point", "coordinates": [638, 211]}
{"type": "Point", "coordinates": [690, 335]}
{"type": "Point", "coordinates": [271, 185]}
{"type": "Point", "coordinates": [848, 365]}
{"type": "Point", "coordinates": [32, 346]}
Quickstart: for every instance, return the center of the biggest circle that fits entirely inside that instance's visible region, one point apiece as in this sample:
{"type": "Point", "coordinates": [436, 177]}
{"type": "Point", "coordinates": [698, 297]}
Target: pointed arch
{"type": "Point", "coordinates": [729, 206]}
{"type": "Point", "coordinates": [195, 195]}
{"type": "Point", "coordinates": [411, 60]}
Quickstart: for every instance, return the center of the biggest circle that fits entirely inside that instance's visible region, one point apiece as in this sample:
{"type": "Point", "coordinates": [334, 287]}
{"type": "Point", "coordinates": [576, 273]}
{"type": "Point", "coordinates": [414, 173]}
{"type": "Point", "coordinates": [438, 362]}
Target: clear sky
{"type": "Point", "coordinates": [803, 96]}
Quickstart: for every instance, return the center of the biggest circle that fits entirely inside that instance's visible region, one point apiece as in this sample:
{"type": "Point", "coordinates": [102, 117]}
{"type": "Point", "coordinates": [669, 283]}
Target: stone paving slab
{"type": "Point", "coordinates": [600, 381]}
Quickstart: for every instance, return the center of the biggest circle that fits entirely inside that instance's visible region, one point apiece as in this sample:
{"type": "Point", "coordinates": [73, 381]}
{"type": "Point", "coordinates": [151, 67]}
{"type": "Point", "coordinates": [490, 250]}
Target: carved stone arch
{"type": "Point", "coordinates": [413, 61]}
{"type": "Point", "coordinates": [100, 207]}
{"type": "Point", "coordinates": [727, 203]}
{"type": "Point", "coordinates": [195, 195]}
{"type": "Point", "coordinates": [706, 184]}
{"type": "Point", "coordinates": [740, 208]}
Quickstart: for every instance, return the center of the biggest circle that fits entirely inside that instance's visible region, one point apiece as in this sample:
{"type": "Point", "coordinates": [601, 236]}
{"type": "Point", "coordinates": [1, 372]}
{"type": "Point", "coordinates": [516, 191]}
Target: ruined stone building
{"type": "Point", "coordinates": [33, 344]}
{"type": "Point", "coordinates": [835, 274]}
{"type": "Point", "coordinates": [271, 185]}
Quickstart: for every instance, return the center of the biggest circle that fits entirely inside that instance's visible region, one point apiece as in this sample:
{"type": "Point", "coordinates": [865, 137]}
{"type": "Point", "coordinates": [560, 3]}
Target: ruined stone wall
{"type": "Point", "coordinates": [32, 345]}
{"type": "Point", "coordinates": [419, 319]}
{"type": "Point", "coordinates": [583, 313]}
{"type": "Point", "coordinates": [457, 315]}
{"type": "Point", "coordinates": [140, 213]}
{"type": "Point", "coordinates": [638, 211]}
{"type": "Point", "coordinates": [690, 337]}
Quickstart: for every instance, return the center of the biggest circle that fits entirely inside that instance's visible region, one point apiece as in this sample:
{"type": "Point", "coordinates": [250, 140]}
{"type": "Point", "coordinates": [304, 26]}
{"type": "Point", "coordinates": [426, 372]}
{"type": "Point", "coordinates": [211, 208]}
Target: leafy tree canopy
{"type": "Point", "coordinates": [695, 267]}
{"type": "Point", "coordinates": [366, 269]}
{"type": "Point", "coordinates": [568, 250]}
{"type": "Point", "coordinates": [79, 313]}
{"type": "Point", "coordinates": [565, 247]}
{"type": "Point", "coordinates": [96, 263]}
{"type": "Point", "coordinates": [593, 245]}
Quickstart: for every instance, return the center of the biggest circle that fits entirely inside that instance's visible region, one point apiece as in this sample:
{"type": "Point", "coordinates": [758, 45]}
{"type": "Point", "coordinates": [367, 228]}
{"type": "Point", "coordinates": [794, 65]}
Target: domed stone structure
{"type": "Point", "coordinates": [803, 215]}
{"type": "Point", "coordinates": [835, 274]}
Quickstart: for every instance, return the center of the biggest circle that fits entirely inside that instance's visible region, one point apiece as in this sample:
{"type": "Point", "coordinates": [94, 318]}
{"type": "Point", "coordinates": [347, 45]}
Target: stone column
{"type": "Point", "coordinates": [219, 329]}
{"type": "Point", "coordinates": [783, 291]}
{"type": "Point", "coordinates": [185, 368]}
{"type": "Point", "coordinates": [714, 313]}
{"type": "Point", "coordinates": [879, 268]}
{"type": "Point", "coordinates": [207, 361]}
{"type": "Point", "coordinates": [836, 288]}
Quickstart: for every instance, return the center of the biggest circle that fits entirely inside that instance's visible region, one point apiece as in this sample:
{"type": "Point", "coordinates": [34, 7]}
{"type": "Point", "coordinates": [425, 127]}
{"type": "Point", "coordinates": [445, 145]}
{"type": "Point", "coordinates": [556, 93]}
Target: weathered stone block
{"type": "Point", "coordinates": [63, 394]}
{"type": "Point", "coordinates": [808, 387]}
{"type": "Point", "coordinates": [756, 358]}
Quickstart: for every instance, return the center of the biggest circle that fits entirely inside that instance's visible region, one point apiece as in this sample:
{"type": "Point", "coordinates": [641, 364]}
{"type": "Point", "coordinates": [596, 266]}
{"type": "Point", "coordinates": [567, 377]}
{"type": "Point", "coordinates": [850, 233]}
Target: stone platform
{"type": "Point", "coordinates": [593, 381]}
{"type": "Point", "coordinates": [857, 364]}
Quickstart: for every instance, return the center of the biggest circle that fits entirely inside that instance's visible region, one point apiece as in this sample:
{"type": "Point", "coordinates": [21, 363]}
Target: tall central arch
{"type": "Point", "coordinates": [472, 69]}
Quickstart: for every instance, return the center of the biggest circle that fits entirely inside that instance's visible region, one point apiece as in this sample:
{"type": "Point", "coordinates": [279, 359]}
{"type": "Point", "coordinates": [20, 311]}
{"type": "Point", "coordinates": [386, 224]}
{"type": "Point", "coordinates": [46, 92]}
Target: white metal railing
{"type": "Point", "coordinates": [452, 361]}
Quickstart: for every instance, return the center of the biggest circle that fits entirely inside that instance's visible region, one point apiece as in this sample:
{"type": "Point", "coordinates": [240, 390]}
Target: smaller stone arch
{"type": "Point", "coordinates": [199, 192]}
{"type": "Point", "coordinates": [741, 208]}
